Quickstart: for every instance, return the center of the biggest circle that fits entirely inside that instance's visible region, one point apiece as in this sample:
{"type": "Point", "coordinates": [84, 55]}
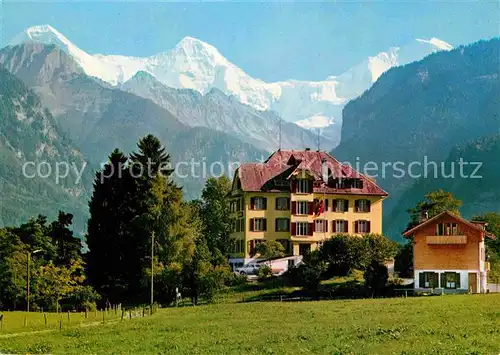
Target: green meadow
{"type": "Point", "coordinates": [458, 324]}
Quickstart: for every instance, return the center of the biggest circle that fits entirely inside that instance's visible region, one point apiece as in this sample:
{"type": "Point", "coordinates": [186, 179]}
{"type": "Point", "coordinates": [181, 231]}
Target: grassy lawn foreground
{"type": "Point", "coordinates": [426, 325]}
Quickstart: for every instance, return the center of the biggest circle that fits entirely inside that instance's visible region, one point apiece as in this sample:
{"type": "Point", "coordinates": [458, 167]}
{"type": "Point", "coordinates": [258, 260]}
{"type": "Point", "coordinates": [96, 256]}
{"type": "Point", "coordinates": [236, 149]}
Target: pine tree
{"type": "Point", "coordinates": [109, 260]}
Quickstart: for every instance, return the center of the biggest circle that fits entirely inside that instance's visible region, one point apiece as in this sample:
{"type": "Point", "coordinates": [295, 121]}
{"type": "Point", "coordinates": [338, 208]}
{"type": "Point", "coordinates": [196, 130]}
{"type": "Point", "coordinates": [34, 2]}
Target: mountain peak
{"type": "Point", "coordinates": [41, 33]}
{"type": "Point", "coordinates": [194, 47]}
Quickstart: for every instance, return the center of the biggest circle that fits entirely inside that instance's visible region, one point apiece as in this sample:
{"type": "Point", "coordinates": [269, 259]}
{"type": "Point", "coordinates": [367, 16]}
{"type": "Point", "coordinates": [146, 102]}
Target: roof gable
{"type": "Point", "coordinates": [436, 218]}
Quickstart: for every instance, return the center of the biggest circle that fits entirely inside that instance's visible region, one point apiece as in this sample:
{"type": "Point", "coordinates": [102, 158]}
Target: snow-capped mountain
{"type": "Point", "coordinates": [194, 64]}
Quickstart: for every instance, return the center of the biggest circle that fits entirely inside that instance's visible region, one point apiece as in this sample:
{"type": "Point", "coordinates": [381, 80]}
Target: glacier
{"type": "Point", "coordinates": [194, 64]}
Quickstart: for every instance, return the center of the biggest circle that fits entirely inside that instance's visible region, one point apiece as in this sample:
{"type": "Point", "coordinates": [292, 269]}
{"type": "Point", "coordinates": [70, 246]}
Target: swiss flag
{"type": "Point", "coordinates": [320, 208]}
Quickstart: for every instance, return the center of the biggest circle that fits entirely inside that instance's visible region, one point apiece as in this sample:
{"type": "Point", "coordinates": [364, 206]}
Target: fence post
{"type": "Point", "coordinates": [123, 314]}
{"type": "Point", "coordinates": [86, 313]}
{"type": "Point", "coordinates": [130, 314]}
{"type": "Point", "coordinates": [45, 318]}
{"type": "Point", "coordinates": [95, 312]}
{"type": "Point", "coordinates": [68, 317]}
{"type": "Point", "coordinates": [1, 322]}
{"type": "Point", "coordinates": [25, 321]}
{"type": "Point", "coordinates": [103, 314]}
{"type": "Point", "coordinates": [143, 311]}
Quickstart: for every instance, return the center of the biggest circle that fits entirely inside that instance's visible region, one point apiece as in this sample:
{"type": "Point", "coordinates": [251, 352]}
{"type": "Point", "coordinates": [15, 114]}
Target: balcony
{"type": "Point", "coordinates": [446, 239]}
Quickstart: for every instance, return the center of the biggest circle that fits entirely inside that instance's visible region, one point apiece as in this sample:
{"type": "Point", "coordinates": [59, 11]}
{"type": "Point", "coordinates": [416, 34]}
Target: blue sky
{"type": "Point", "coordinates": [273, 41]}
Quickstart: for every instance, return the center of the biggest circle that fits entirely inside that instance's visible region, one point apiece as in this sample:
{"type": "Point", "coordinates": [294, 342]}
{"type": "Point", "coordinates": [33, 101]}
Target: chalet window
{"type": "Point", "coordinates": [239, 225]}
{"type": "Point", "coordinates": [447, 229]}
{"type": "Point", "coordinates": [282, 203]}
{"type": "Point", "coordinates": [340, 205]}
{"type": "Point", "coordinates": [363, 205]}
{"type": "Point", "coordinates": [450, 280]}
{"type": "Point", "coordinates": [239, 246]}
{"type": "Point", "coordinates": [304, 186]}
{"type": "Point", "coordinates": [282, 225]}
{"type": "Point", "coordinates": [258, 203]}
{"type": "Point", "coordinates": [302, 207]}
{"type": "Point", "coordinates": [362, 226]}
{"type": "Point", "coordinates": [339, 183]}
{"type": "Point", "coordinates": [340, 226]}
{"type": "Point", "coordinates": [357, 184]}
{"type": "Point", "coordinates": [320, 226]}
{"type": "Point", "coordinates": [428, 280]}
{"type": "Point", "coordinates": [258, 224]}
{"type": "Point", "coordinates": [302, 228]}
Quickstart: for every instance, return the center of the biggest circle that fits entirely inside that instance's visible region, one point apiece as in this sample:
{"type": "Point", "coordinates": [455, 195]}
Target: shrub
{"type": "Point", "coordinates": [264, 272]}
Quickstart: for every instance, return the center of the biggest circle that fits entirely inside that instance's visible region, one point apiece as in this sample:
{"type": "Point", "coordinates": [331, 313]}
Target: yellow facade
{"type": "Point", "coordinates": [312, 241]}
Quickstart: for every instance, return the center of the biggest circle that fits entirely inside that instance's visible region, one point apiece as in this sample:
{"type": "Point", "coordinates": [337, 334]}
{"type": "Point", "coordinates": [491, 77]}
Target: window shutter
{"type": "Point", "coordinates": [252, 225]}
{"type": "Point", "coordinates": [309, 186]}
{"type": "Point", "coordinates": [264, 224]}
{"type": "Point", "coordinates": [369, 226]}
{"type": "Point", "coordinates": [368, 205]}
{"type": "Point", "coordinates": [276, 225]}
{"type": "Point", "coordinates": [334, 226]}
{"type": "Point", "coordinates": [457, 280]}
{"type": "Point", "coordinates": [421, 280]}
{"type": "Point", "coordinates": [294, 207]}
{"type": "Point", "coordinates": [252, 246]}
{"type": "Point", "coordinates": [346, 205]}
{"type": "Point", "coordinates": [293, 184]}
{"type": "Point", "coordinates": [294, 228]}
{"type": "Point", "coordinates": [443, 280]}
{"type": "Point", "coordinates": [356, 205]}
{"type": "Point", "coordinates": [325, 225]}
{"type": "Point", "coordinates": [326, 205]}
{"type": "Point", "coordinates": [356, 229]}
{"type": "Point", "coordinates": [310, 229]}
{"type": "Point", "coordinates": [265, 202]}
{"type": "Point", "coordinates": [346, 227]}
{"type": "Point", "coordinates": [435, 283]}
{"type": "Point", "coordinates": [252, 203]}
{"type": "Point", "coordinates": [314, 226]}
{"type": "Point", "coordinates": [334, 205]}
{"type": "Point", "coordinates": [310, 208]}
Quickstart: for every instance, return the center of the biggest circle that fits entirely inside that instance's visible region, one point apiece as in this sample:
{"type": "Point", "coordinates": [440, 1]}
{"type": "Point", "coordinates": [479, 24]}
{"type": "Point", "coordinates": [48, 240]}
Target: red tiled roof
{"type": "Point", "coordinates": [254, 176]}
{"type": "Point", "coordinates": [472, 224]}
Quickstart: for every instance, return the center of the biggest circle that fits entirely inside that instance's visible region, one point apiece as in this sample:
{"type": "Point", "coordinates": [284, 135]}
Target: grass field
{"type": "Point", "coordinates": [462, 324]}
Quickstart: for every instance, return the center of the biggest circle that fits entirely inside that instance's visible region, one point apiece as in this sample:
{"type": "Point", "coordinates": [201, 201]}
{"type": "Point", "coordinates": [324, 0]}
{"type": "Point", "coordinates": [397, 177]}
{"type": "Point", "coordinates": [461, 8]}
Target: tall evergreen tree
{"type": "Point", "coordinates": [67, 246]}
{"type": "Point", "coordinates": [109, 261]}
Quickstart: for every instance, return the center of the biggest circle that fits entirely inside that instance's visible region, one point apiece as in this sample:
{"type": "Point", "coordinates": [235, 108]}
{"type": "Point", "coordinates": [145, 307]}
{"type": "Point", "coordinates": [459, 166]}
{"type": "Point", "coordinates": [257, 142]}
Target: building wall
{"type": "Point", "coordinates": [464, 279]}
{"type": "Point", "coordinates": [374, 216]}
{"type": "Point", "coordinates": [446, 256]}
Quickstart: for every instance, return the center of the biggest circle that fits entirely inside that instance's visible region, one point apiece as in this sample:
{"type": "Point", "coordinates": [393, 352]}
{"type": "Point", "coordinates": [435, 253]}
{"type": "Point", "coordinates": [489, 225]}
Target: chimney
{"type": "Point", "coordinates": [324, 170]}
{"type": "Point", "coordinates": [308, 149]}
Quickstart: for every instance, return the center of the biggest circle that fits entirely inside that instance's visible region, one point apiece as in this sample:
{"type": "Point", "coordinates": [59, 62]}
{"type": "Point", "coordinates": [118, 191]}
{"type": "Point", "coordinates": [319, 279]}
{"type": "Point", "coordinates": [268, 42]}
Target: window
{"type": "Point", "coordinates": [339, 183]}
{"type": "Point", "coordinates": [302, 207]}
{"type": "Point", "coordinates": [303, 186]}
{"type": "Point", "coordinates": [320, 226]}
{"type": "Point", "coordinates": [258, 224]}
{"type": "Point", "coordinates": [282, 225]}
{"type": "Point", "coordinates": [239, 225]}
{"type": "Point", "coordinates": [357, 184]}
{"type": "Point", "coordinates": [236, 205]}
{"type": "Point", "coordinates": [239, 246]}
{"type": "Point", "coordinates": [282, 203]}
{"type": "Point", "coordinates": [450, 280]}
{"type": "Point", "coordinates": [362, 226]}
{"type": "Point", "coordinates": [340, 205]}
{"type": "Point", "coordinates": [258, 203]}
{"type": "Point", "coordinates": [363, 205]}
{"type": "Point", "coordinates": [428, 280]}
{"type": "Point", "coordinates": [447, 229]}
{"type": "Point", "coordinates": [302, 228]}
{"type": "Point", "coordinates": [340, 226]}
{"type": "Point", "coordinates": [326, 205]}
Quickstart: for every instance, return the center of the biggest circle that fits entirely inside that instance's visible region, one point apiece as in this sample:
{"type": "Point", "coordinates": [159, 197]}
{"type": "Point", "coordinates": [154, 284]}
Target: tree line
{"type": "Point", "coordinates": [139, 227]}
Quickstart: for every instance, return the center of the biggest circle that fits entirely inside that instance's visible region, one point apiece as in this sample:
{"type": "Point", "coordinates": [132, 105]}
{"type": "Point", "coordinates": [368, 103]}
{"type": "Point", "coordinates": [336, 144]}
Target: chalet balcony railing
{"type": "Point", "coordinates": [446, 239]}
